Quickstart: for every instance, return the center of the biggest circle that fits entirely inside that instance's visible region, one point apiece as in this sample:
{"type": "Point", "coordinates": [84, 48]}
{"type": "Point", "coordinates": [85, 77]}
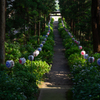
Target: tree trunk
{"type": "Point", "coordinates": [44, 21]}
{"type": "Point", "coordinates": [96, 25]}
{"type": "Point", "coordinates": [35, 27]}
{"type": "Point", "coordinates": [80, 35]}
{"type": "Point", "coordinates": [72, 25]}
{"type": "Point", "coordinates": [2, 31]}
{"type": "Point", "coordinates": [48, 18]}
{"type": "Point", "coordinates": [38, 40]}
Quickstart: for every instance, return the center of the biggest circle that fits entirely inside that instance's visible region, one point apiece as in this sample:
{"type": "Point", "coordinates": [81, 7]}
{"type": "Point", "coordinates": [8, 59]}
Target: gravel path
{"type": "Point", "coordinates": [57, 82]}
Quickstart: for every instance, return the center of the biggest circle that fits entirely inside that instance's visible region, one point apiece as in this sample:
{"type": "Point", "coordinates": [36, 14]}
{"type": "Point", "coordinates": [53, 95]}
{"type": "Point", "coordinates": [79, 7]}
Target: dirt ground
{"type": "Point", "coordinates": [57, 82]}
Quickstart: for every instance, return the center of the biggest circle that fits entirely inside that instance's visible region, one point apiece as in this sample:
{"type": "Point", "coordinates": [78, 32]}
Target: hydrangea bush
{"type": "Point", "coordinates": [85, 75]}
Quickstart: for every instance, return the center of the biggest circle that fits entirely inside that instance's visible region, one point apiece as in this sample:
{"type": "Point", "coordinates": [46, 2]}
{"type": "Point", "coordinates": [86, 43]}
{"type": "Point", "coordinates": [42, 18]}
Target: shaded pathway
{"type": "Point", "coordinates": [57, 82]}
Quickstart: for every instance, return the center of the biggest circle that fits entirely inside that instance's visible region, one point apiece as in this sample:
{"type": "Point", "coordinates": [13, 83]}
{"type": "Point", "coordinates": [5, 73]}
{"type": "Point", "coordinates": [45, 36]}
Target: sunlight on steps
{"type": "Point", "coordinates": [48, 85]}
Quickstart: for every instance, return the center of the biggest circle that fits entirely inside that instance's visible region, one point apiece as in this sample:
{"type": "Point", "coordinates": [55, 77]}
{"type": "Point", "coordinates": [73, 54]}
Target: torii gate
{"type": "Point", "coordinates": [55, 13]}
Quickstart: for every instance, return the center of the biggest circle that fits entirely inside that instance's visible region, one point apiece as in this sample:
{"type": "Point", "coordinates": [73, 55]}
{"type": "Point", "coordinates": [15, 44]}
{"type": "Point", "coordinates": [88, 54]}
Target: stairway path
{"type": "Point", "coordinates": [57, 82]}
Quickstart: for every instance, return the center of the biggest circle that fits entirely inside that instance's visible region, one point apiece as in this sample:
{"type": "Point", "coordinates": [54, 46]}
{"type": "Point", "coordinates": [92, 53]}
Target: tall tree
{"type": "Point", "coordinates": [2, 31]}
{"type": "Point", "coordinates": [78, 15]}
{"type": "Point", "coordinates": [96, 25]}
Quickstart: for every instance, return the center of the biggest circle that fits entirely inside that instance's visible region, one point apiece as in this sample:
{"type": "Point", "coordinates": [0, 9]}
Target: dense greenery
{"type": "Point", "coordinates": [78, 16]}
{"type": "Point", "coordinates": [26, 23]}
{"type": "Point", "coordinates": [26, 15]}
{"type": "Point", "coordinates": [20, 82]}
{"type": "Point", "coordinates": [85, 75]}
{"type": "Point", "coordinates": [26, 27]}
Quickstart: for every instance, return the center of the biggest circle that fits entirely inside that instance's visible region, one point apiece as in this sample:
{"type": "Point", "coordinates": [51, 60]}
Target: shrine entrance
{"type": "Point", "coordinates": [55, 15]}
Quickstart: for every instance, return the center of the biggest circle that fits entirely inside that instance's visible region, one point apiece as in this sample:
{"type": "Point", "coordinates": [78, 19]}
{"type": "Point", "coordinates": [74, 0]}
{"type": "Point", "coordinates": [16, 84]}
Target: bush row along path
{"type": "Point", "coordinates": [57, 82]}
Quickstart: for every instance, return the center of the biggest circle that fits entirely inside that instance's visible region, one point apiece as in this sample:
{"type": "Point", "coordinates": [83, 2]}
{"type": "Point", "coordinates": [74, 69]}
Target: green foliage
{"type": "Point", "coordinates": [75, 59]}
{"type": "Point", "coordinates": [52, 20]}
{"type": "Point", "coordinates": [20, 81]}
{"type": "Point", "coordinates": [47, 51]}
{"type": "Point", "coordinates": [12, 51]}
{"type": "Point", "coordinates": [17, 83]}
{"type": "Point", "coordinates": [10, 88]}
{"type": "Point", "coordinates": [24, 14]}
{"type": "Point", "coordinates": [59, 20]}
{"type": "Point", "coordinates": [60, 28]}
{"type": "Point", "coordinates": [72, 50]}
{"type": "Point", "coordinates": [85, 75]}
{"type": "Point", "coordinates": [77, 15]}
{"type": "Point", "coordinates": [86, 83]}
{"type": "Point", "coordinates": [39, 68]}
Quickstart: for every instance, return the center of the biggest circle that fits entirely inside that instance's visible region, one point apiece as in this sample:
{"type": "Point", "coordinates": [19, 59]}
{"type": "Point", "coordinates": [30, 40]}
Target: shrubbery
{"type": "Point", "coordinates": [85, 75]}
{"type": "Point", "coordinates": [20, 82]}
